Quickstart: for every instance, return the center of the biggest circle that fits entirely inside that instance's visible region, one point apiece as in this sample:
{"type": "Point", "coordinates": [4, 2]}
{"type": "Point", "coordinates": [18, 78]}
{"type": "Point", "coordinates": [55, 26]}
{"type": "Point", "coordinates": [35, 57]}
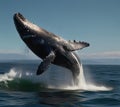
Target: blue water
{"type": "Point", "coordinates": [20, 87]}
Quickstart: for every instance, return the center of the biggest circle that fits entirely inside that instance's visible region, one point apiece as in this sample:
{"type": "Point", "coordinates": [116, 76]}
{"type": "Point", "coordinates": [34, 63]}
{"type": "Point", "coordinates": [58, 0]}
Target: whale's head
{"type": "Point", "coordinates": [25, 28]}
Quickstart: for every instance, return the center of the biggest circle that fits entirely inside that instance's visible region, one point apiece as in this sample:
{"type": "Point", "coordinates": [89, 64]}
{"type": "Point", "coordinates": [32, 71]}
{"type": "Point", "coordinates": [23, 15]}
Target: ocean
{"type": "Point", "coordinates": [99, 86]}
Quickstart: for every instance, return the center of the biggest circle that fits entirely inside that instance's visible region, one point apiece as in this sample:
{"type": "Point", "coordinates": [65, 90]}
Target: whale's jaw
{"type": "Point", "coordinates": [24, 27]}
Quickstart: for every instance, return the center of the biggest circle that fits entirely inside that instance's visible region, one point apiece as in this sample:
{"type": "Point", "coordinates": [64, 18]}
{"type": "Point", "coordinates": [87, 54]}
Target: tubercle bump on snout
{"type": "Point", "coordinates": [19, 16]}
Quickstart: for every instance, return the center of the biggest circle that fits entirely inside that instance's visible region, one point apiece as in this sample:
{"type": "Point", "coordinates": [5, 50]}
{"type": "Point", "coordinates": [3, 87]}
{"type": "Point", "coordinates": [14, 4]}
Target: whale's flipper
{"type": "Point", "coordinates": [46, 62]}
{"type": "Point", "coordinates": [74, 45]}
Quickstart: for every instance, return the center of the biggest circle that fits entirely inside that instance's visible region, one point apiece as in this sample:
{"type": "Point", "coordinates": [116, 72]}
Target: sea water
{"type": "Point", "coordinates": [98, 85]}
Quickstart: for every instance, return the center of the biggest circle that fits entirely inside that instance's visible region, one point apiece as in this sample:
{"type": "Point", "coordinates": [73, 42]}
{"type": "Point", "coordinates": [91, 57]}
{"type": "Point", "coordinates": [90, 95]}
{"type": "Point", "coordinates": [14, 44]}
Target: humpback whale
{"type": "Point", "coordinates": [48, 46]}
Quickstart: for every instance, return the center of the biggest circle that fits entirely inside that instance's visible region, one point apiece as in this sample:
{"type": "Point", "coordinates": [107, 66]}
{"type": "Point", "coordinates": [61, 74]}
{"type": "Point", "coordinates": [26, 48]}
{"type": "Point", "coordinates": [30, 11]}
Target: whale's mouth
{"type": "Point", "coordinates": [21, 26]}
{"type": "Point", "coordinates": [19, 16]}
{"type": "Point", "coordinates": [19, 20]}
{"type": "Point", "coordinates": [25, 28]}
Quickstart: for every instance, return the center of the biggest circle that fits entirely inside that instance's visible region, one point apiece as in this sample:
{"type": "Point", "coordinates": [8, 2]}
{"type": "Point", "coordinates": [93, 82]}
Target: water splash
{"type": "Point", "coordinates": [8, 76]}
{"type": "Point", "coordinates": [82, 84]}
{"type": "Point", "coordinates": [53, 78]}
{"type": "Point", "coordinates": [89, 86]}
{"type": "Point", "coordinates": [81, 78]}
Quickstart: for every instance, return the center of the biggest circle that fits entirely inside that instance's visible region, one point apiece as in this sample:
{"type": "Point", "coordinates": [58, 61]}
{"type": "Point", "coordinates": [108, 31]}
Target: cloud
{"type": "Point", "coordinates": [110, 55]}
{"type": "Point", "coordinates": [9, 52]}
{"type": "Point", "coordinates": [9, 55]}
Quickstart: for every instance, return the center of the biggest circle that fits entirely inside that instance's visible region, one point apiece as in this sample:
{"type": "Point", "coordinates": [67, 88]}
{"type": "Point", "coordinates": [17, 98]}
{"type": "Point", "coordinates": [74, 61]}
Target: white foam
{"type": "Point", "coordinates": [8, 76]}
{"type": "Point", "coordinates": [82, 84]}
{"type": "Point", "coordinates": [89, 86]}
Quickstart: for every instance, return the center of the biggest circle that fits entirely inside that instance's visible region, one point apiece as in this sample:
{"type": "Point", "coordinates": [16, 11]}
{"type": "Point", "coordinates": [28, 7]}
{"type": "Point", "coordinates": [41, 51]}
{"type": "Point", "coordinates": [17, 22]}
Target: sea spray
{"type": "Point", "coordinates": [8, 76]}
{"type": "Point", "coordinates": [83, 85]}
{"type": "Point", "coordinates": [81, 82]}
{"type": "Point", "coordinates": [81, 79]}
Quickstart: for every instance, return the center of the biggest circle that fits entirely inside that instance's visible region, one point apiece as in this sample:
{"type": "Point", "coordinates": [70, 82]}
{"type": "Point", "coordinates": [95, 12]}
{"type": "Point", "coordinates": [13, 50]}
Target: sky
{"type": "Point", "coordinates": [94, 21]}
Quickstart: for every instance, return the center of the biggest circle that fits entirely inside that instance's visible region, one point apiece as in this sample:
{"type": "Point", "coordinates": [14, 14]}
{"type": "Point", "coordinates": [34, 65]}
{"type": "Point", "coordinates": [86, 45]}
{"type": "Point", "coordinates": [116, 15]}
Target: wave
{"type": "Point", "coordinates": [19, 81]}
{"type": "Point", "coordinates": [60, 78]}
{"type": "Point", "coordinates": [105, 100]}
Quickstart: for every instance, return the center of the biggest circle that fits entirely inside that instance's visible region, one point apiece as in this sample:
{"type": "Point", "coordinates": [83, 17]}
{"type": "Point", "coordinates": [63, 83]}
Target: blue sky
{"type": "Point", "coordinates": [93, 21]}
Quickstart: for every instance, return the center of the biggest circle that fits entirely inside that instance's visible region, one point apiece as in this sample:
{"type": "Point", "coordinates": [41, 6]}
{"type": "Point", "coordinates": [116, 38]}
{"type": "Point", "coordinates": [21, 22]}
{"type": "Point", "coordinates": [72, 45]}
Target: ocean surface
{"type": "Point", "coordinates": [98, 86]}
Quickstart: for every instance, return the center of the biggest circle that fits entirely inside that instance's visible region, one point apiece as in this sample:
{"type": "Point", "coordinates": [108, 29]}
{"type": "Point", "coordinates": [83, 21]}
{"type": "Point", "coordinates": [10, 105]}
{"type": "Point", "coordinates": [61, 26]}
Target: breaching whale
{"type": "Point", "coordinates": [49, 47]}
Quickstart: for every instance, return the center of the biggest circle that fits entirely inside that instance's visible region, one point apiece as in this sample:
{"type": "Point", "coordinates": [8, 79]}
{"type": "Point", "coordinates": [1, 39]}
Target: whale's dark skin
{"type": "Point", "coordinates": [49, 47]}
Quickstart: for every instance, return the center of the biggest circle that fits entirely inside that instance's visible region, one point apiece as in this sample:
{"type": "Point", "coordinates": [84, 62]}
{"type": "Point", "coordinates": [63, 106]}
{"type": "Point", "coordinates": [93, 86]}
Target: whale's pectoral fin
{"type": "Point", "coordinates": [74, 45]}
{"type": "Point", "coordinates": [46, 62]}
